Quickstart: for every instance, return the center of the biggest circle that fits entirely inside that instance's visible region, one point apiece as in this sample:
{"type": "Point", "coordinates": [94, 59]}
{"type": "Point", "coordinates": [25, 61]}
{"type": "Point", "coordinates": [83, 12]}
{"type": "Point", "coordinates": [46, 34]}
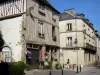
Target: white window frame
{"type": "Point", "coordinates": [7, 55]}
{"type": "Point", "coordinates": [40, 27]}
{"type": "Point", "coordinates": [69, 26]}
{"type": "Point", "coordinates": [69, 41]}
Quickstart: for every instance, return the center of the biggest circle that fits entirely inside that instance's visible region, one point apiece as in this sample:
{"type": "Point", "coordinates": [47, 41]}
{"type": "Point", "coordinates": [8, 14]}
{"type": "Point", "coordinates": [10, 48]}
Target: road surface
{"type": "Point", "coordinates": [86, 71]}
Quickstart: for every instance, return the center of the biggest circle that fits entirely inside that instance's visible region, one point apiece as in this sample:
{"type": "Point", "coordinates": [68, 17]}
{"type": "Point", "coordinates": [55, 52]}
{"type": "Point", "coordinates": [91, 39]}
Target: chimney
{"type": "Point", "coordinates": [71, 11]}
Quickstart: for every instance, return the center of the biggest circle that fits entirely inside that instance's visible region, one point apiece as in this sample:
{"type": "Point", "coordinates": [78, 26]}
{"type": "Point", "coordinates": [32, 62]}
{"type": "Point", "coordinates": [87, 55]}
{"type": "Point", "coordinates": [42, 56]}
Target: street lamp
{"type": "Point", "coordinates": [77, 53]}
{"type": "Point", "coordinates": [76, 44]}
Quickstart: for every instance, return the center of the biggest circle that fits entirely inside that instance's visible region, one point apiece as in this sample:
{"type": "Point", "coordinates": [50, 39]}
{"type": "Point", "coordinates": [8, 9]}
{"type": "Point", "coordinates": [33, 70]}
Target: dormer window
{"type": "Point", "coordinates": [42, 6]}
{"type": "Point", "coordinates": [53, 13]}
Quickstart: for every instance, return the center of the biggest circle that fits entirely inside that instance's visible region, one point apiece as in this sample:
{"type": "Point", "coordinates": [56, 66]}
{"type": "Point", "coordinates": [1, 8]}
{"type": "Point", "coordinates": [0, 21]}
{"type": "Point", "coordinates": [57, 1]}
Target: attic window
{"type": "Point", "coordinates": [41, 6]}
{"type": "Point", "coordinates": [53, 13]}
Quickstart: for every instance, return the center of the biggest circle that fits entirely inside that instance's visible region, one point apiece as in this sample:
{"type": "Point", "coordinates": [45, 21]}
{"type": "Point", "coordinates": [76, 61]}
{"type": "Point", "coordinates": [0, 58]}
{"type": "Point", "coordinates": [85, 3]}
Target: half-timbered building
{"type": "Point", "coordinates": [29, 27]}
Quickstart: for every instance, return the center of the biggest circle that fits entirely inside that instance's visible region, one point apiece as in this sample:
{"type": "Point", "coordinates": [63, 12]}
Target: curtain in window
{"type": "Point", "coordinates": [39, 28]}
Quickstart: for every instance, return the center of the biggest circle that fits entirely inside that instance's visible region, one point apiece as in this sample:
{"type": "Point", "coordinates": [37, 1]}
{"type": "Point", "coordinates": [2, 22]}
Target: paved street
{"type": "Point", "coordinates": [92, 71]}
{"type": "Point", "coordinates": [47, 72]}
{"type": "Point", "coordinates": [85, 71]}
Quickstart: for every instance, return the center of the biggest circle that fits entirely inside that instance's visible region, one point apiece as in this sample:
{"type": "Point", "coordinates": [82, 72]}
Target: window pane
{"type": "Point", "coordinates": [69, 26]}
{"type": "Point", "coordinates": [69, 41]}
{"type": "Point", "coordinates": [53, 31]}
{"type": "Point", "coordinates": [40, 27]}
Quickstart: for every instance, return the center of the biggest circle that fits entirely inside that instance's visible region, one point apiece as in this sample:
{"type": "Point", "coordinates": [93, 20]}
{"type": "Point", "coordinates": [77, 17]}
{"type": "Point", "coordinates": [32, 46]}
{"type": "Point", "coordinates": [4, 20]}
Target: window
{"type": "Point", "coordinates": [89, 40]}
{"type": "Point", "coordinates": [69, 26]}
{"type": "Point", "coordinates": [29, 45]}
{"type": "Point", "coordinates": [40, 29]}
{"type": "Point", "coordinates": [53, 13]}
{"type": "Point", "coordinates": [53, 33]}
{"type": "Point", "coordinates": [6, 53]}
{"type": "Point", "coordinates": [54, 16]}
{"type": "Point", "coordinates": [42, 6]}
{"type": "Point", "coordinates": [69, 41]}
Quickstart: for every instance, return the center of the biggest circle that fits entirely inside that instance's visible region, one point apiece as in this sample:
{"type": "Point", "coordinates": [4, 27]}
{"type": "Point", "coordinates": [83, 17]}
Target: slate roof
{"type": "Point", "coordinates": [49, 5]}
{"type": "Point", "coordinates": [68, 16]}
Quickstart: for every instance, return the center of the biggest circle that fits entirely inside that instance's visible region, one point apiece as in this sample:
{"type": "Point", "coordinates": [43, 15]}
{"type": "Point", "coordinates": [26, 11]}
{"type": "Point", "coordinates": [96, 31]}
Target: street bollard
{"type": "Point", "coordinates": [50, 72]}
{"type": "Point", "coordinates": [73, 66]}
{"type": "Point", "coordinates": [80, 68]}
{"type": "Point", "coordinates": [62, 72]}
{"type": "Point", "coordinates": [63, 65]}
{"type": "Point", "coordinates": [77, 69]}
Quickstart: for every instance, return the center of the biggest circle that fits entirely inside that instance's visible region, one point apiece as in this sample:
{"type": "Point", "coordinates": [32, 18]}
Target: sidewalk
{"type": "Point", "coordinates": [57, 72]}
{"type": "Point", "coordinates": [83, 69]}
{"type": "Point", "coordinates": [47, 72]}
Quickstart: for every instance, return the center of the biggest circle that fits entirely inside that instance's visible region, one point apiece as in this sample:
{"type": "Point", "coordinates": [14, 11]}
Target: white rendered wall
{"type": "Point", "coordinates": [72, 56]}
{"type": "Point", "coordinates": [12, 36]}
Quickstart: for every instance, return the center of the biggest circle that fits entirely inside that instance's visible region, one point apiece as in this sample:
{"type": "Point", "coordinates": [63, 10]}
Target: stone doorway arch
{"type": "Point", "coordinates": [6, 54]}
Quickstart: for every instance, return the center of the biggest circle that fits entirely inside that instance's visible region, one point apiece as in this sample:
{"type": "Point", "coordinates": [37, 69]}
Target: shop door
{"type": "Point", "coordinates": [34, 58]}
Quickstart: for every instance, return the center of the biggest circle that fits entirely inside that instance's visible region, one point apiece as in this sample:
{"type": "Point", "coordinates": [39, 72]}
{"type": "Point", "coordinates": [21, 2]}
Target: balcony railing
{"type": "Point", "coordinates": [90, 47]}
{"type": "Point", "coordinates": [81, 45]}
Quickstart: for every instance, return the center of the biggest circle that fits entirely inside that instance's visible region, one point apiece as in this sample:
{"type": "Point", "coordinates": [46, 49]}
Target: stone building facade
{"type": "Point", "coordinates": [77, 39]}
{"type": "Point", "coordinates": [97, 33]}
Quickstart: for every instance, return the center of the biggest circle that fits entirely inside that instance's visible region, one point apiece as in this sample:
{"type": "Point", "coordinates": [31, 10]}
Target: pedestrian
{"type": "Point", "coordinates": [68, 65]}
